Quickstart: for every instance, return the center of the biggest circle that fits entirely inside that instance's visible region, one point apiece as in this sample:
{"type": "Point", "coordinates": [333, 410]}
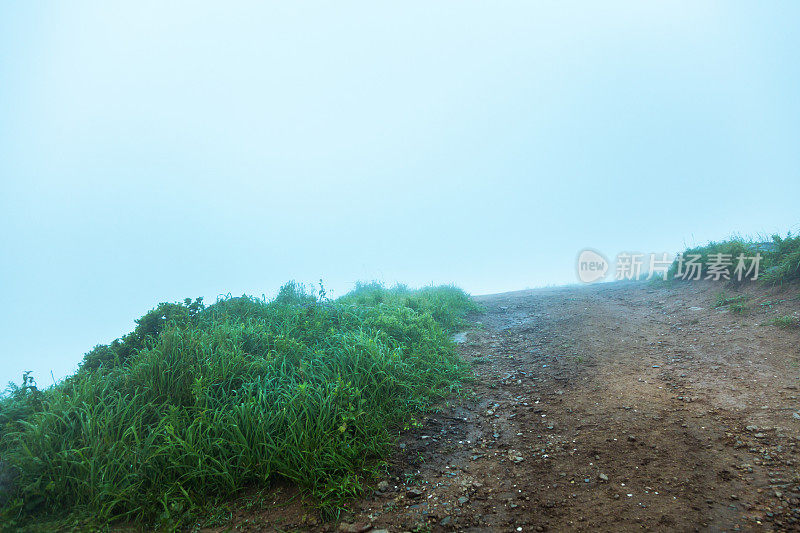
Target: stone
{"type": "Point", "coordinates": [357, 527]}
{"type": "Point", "coordinates": [414, 492]}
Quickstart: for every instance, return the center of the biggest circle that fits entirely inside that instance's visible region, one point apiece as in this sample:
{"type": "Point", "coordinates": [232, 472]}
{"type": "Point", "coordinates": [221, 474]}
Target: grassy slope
{"type": "Point", "coordinates": [197, 403]}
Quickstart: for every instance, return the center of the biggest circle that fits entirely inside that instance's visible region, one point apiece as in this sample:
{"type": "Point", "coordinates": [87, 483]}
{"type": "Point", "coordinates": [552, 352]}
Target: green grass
{"type": "Point", "coordinates": [448, 305]}
{"type": "Point", "coordinates": [780, 258]}
{"type": "Point", "coordinates": [786, 322]}
{"type": "Point", "coordinates": [737, 304]}
{"type": "Point", "coordinates": [784, 260]}
{"type": "Point", "coordinates": [198, 403]}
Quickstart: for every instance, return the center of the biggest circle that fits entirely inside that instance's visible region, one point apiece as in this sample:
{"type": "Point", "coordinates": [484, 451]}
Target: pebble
{"type": "Point", "coordinates": [414, 492]}
{"type": "Point", "coordinates": [358, 527]}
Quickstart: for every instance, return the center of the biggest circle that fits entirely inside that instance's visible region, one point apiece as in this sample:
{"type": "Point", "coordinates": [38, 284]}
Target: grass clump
{"type": "Point", "coordinates": [786, 322]}
{"type": "Point", "coordinates": [200, 402]}
{"type": "Point", "coordinates": [783, 260]}
{"type": "Point", "coordinates": [447, 304]}
{"type": "Point", "coordinates": [737, 304]}
{"type": "Point", "coordinates": [732, 248]}
{"type": "Point", "coordinates": [780, 257]}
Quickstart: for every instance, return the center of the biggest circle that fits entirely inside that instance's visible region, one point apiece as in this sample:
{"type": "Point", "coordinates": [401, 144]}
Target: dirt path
{"type": "Point", "coordinates": [617, 407]}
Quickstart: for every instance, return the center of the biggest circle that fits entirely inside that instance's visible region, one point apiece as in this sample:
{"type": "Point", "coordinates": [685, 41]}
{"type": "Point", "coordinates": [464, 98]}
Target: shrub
{"type": "Point", "coordinates": [148, 328]}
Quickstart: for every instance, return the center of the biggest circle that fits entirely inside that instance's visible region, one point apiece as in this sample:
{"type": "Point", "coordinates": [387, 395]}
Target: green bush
{"type": "Point", "coordinates": [198, 403]}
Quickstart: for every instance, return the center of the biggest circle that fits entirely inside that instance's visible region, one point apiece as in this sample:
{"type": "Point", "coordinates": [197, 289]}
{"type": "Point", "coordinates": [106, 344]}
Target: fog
{"type": "Point", "coordinates": [153, 152]}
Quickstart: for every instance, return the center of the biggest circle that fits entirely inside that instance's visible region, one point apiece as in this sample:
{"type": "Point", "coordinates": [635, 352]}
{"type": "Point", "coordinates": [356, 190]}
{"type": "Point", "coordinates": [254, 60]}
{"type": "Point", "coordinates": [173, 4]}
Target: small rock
{"type": "Point", "coordinates": [384, 486]}
{"type": "Point", "coordinates": [414, 492]}
{"type": "Point", "coordinates": [358, 527]}
{"type": "Point", "coordinates": [462, 500]}
{"type": "Point", "coordinates": [603, 477]}
{"type": "Point", "coordinates": [631, 438]}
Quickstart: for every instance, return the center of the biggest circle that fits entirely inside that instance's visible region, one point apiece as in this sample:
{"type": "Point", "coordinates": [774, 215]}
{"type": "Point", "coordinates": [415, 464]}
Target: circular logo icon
{"type": "Point", "coordinates": [592, 266]}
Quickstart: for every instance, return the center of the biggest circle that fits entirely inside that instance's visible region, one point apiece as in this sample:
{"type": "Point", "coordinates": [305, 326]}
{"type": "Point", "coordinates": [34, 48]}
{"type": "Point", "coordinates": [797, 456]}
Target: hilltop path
{"type": "Point", "coordinates": [615, 407]}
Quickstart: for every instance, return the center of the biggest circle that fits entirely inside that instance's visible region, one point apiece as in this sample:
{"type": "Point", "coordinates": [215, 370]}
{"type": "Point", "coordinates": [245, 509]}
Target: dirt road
{"type": "Point", "coordinates": [612, 407]}
{"type": "Point", "coordinates": [617, 407]}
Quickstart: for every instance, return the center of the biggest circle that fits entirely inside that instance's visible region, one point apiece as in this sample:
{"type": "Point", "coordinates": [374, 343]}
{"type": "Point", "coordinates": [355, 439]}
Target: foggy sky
{"type": "Point", "coordinates": [152, 152]}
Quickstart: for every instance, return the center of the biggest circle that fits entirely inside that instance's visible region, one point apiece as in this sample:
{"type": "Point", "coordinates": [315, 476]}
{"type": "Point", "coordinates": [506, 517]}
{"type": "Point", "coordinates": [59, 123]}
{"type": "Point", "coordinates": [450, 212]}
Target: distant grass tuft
{"type": "Point", "coordinates": [733, 248]}
{"type": "Point", "coordinates": [783, 260]}
{"type": "Point", "coordinates": [780, 259]}
{"type": "Point", "coordinates": [199, 402]}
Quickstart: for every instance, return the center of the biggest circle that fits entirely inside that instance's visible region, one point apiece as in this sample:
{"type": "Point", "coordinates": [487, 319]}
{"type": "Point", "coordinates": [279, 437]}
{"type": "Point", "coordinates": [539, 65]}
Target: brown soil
{"type": "Point", "coordinates": [613, 407]}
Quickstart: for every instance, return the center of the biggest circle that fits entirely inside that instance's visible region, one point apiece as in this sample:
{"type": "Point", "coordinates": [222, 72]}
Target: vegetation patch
{"type": "Point", "coordinates": [200, 402]}
{"type": "Point", "coordinates": [737, 304]}
{"type": "Point", "coordinates": [786, 322]}
{"type": "Point", "coordinates": [780, 257]}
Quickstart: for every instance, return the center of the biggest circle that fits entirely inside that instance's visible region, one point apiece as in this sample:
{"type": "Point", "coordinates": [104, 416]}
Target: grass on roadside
{"type": "Point", "coordinates": [737, 304]}
{"type": "Point", "coordinates": [780, 257]}
{"type": "Point", "coordinates": [786, 322]}
{"type": "Point", "coordinates": [199, 402]}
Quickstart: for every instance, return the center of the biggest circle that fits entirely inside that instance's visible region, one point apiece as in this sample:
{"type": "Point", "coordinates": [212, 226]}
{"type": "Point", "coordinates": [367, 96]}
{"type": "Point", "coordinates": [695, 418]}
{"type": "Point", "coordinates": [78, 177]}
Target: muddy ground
{"type": "Point", "coordinates": [613, 407]}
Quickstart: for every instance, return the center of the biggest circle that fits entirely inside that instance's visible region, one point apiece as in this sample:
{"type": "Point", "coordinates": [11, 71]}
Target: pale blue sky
{"type": "Point", "coordinates": [151, 151]}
